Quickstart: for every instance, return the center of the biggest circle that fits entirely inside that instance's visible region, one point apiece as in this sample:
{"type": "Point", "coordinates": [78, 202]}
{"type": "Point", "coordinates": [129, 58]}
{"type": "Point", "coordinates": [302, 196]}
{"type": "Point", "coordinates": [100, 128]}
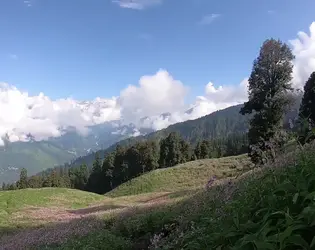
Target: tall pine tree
{"type": "Point", "coordinates": [307, 111]}
{"type": "Point", "coordinates": [269, 84]}
{"type": "Point", "coordinates": [23, 182]}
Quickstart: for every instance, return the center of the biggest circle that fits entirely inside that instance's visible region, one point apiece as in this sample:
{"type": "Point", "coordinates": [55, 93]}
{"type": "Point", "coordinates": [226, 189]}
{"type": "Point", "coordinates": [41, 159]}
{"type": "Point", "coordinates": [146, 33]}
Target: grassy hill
{"type": "Point", "coordinates": [187, 176]}
{"type": "Point", "coordinates": [264, 208]}
{"type": "Point", "coordinates": [16, 205]}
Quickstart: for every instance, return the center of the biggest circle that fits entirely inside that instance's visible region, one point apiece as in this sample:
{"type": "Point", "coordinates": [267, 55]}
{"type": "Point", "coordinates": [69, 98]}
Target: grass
{"type": "Point", "coordinates": [268, 208]}
{"type": "Point", "coordinates": [187, 176]}
{"type": "Point", "coordinates": [14, 205]}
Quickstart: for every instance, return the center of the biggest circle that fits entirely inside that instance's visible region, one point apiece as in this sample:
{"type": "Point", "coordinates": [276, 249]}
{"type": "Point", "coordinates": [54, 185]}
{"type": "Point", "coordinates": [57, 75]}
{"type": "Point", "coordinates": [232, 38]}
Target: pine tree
{"type": "Point", "coordinates": [79, 177]}
{"type": "Point", "coordinates": [107, 172]}
{"type": "Point", "coordinates": [35, 182]}
{"type": "Point", "coordinates": [171, 152]}
{"type": "Point", "coordinates": [94, 183]}
{"type": "Point", "coordinates": [269, 84]}
{"type": "Point", "coordinates": [197, 150]}
{"type": "Point", "coordinates": [307, 111]}
{"type": "Point", "coordinates": [204, 149]}
{"type": "Point", "coordinates": [23, 182]}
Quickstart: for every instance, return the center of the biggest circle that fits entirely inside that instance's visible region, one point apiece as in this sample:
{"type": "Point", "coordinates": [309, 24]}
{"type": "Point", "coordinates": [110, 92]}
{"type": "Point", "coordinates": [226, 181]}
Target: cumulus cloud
{"type": "Point", "coordinates": [213, 100]}
{"type": "Point", "coordinates": [155, 94]}
{"type": "Point", "coordinates": [157, 101]}
{"type": "Point", "coordinates": [303, 48]}
{"type": "Point", "coordinates": [21, 114]}
{"type": "Point", "coordinates": [137, 4]}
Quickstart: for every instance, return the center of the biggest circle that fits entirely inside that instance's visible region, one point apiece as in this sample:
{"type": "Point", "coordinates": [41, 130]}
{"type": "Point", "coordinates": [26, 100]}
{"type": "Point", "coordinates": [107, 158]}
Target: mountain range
{"type": "Point", "coordinates": [219, 124]}
{"type": "Point", "coordinates": [74, 148]}
{"type": "Point", "coordinates": [36, 156]}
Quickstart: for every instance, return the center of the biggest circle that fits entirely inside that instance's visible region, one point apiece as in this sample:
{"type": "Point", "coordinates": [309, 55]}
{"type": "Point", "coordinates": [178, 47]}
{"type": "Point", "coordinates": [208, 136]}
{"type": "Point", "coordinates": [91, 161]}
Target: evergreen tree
{"type": "Point", "coordinates": [171, 150]}
{"type": "Point", "coordinates": [185, 151]}
{"type": "Point", "coordinates": [94, 183]}
{"type": "Point", "coordinates": [79, 177]}
{"type": "Point", "coordinates": [11, 186]}
{"type": "Point", "coordinates": [35, 182]}
{"type": "Point", "coordinates": [107, 172]}
{"type": "Point", "coordinates": [269, 84]}
{"type": "Point", "coordinates": [23, 183]}
{"type": "Point", "coordinates": [204, 149]}
{"type": "Point", "coordinates": [197, 150]}
{"type": "Point", "coordinates": [307, 111]}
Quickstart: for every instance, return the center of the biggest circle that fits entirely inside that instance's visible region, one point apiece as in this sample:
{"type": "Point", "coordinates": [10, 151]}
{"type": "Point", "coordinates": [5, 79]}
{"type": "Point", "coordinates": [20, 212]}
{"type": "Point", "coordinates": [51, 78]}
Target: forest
{"type": "Point", "coordinates": [127, 162]}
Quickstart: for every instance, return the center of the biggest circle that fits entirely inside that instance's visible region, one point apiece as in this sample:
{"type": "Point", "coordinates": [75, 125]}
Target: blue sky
{"type": "Point", "coordinates": [86, 49]}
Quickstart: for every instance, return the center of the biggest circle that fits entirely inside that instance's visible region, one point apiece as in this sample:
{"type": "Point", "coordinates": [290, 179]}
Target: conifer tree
{"type": "Point", "coordinates": [307, 111]}
{"type": "Point", "coordinates": [269, 84]}
{"type": "Point", "coordinates": [23, 182]}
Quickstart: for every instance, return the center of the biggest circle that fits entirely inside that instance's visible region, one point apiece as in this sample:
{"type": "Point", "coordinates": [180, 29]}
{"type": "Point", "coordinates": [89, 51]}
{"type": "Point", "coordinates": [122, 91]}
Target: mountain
{"type": "Point", "coordinates": [219, 124]}
{"type": "Point", "coordinates": [37, 156]}
{"type": "Point", "coordinates": [76, 149]}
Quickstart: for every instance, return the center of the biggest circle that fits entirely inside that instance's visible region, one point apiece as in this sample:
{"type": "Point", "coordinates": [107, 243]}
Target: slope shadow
{"type": "Point", "coordinates": [90, 210]}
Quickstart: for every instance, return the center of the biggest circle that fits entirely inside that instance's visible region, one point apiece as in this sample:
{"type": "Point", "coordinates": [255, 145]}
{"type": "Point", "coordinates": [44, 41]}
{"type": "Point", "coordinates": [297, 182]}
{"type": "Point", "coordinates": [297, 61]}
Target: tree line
{"type": "Point", "coordinates": [127, 162]}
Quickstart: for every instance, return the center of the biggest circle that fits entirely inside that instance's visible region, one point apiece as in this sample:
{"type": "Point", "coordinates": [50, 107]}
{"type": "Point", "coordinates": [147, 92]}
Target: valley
{"type": "Point", "coordinates": [126, 127]}
{"type": "Point", "coordinates": [37, 156]}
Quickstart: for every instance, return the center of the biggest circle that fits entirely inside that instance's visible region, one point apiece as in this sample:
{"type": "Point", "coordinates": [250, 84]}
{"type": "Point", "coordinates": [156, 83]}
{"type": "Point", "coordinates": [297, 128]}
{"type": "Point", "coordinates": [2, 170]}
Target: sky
{"type": "Point", "coordinates": [128, 59]}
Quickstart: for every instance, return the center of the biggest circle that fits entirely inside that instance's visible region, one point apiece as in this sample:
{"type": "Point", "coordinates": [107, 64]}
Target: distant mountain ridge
{"type": "Point", "coordinates": [76, 149]}
{"type": "Point", "coordinates": [218, 124]}
{"type": "Point", "coordinates": [37, 156]}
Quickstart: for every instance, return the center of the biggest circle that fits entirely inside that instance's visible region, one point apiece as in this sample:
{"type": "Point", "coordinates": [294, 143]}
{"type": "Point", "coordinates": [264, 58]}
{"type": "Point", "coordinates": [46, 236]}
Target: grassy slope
{"type": "Point", "coordinates": [14, 202]}
{"type": "Point", "coordinates": [187, 176]}
{"type": "Point", "coordinates": [230, 214]}
{"type": "Point", "coordinates": [235, 215]}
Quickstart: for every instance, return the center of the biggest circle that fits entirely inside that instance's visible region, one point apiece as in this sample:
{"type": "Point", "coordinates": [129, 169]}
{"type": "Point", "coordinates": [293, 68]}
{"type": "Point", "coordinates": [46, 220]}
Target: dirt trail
{"type": "Point", "coordinates": [60, 224]}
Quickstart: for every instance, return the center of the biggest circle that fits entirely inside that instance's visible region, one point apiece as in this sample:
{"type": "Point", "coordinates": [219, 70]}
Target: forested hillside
{"type": "Point", "coordinates": [220, 124]}
{"type": "Point", "coordinates": [222, 133]}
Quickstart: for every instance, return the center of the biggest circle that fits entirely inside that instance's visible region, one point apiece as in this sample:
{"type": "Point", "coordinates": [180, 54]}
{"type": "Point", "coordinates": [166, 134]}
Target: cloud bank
{"type": "Point", "coordinates": [157, 101]}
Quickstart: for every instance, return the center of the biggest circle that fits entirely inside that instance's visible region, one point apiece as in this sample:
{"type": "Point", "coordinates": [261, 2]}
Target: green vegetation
{"type": "Point", "coordinates": [307, 111]}
{"type": "Point", "coordinates": [14, 204]}
{"type": "Point", "coordinates": [187, 176]}
{"type": "Point", "coordinates": [125, 163]}
{"type": "Point", "coordinates": [35, 156]}
{"type": "Point", "coordinates": [154, 205]}
{"type": "Point", "coordinates": [269, 84]}
{"type": "Point", "coordinates": [270, 208]}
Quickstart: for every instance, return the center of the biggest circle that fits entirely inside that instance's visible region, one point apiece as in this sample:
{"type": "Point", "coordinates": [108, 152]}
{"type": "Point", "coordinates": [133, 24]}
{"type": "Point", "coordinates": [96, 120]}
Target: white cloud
{"type": "Point", "coordinates": [208, 19]}
{"type": "Point", "coordinates": [21, 114]}
{"type": "Point", "coordinates": [304, 50]}
{"type": "Point", "coordinates": [155, 95]}
{"type": "Point", "coordinates": [28, 3]}
{"type": "Point", "coordinates": [157, 101]}
{"type": "Point", "coordinates": [137, 4]}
